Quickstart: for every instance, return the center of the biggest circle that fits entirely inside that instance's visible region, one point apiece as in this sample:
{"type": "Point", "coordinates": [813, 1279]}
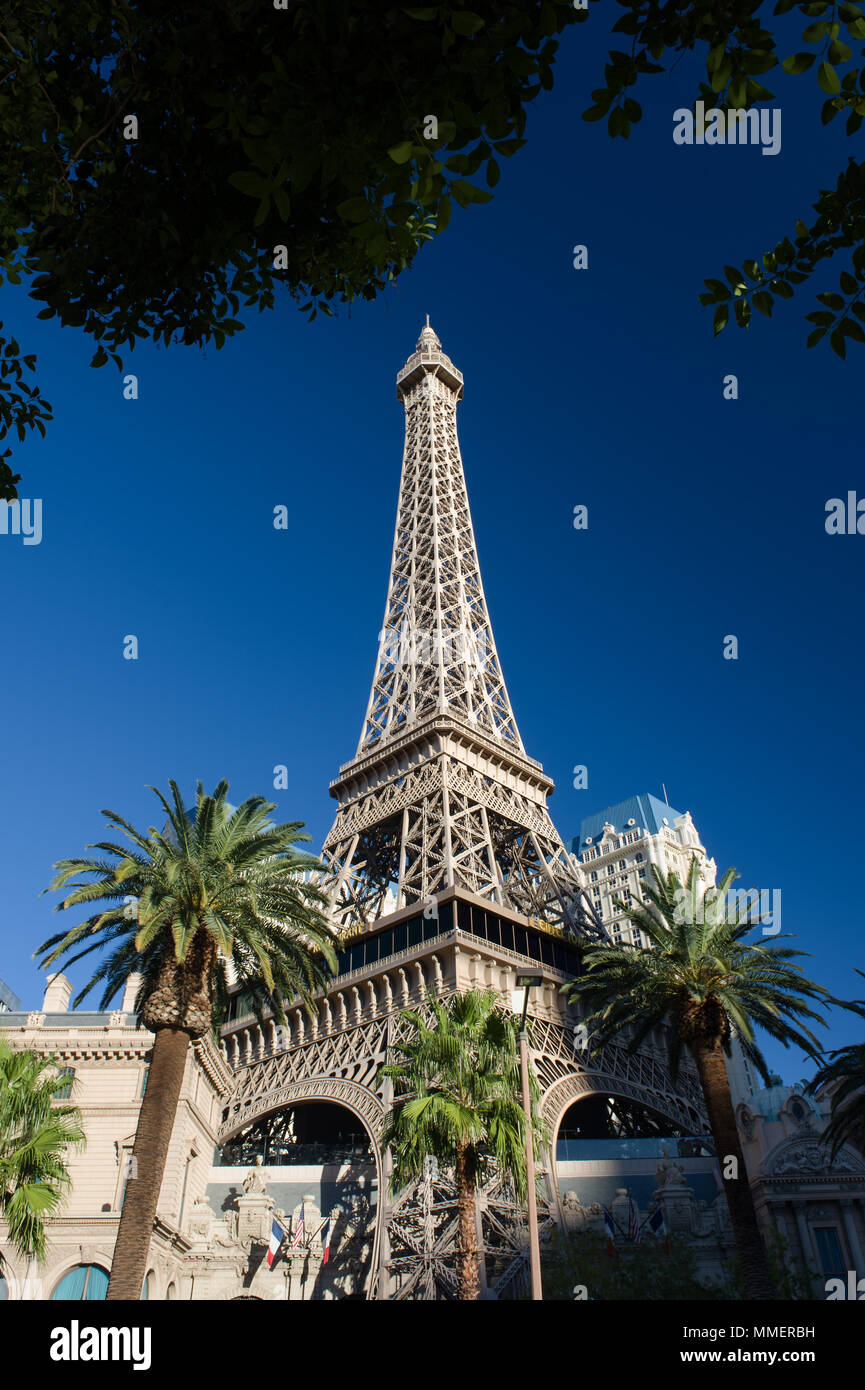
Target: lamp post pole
{"type": "Point", "coordinates": [534, 1245]}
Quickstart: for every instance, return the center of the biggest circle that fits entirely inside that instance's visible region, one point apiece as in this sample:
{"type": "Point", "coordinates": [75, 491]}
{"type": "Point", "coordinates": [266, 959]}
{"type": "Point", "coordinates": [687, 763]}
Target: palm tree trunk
{"type": "Point", "coordinates": [152, 1137]}
{"type": "Point", "coordinates": [756, 1278]}
{"type": "Point", "coordinates": [467, 1236]}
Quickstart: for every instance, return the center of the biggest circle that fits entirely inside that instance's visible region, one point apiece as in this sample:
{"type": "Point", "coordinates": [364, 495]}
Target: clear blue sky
{"type": "Point", "coordinates": [601, 387]}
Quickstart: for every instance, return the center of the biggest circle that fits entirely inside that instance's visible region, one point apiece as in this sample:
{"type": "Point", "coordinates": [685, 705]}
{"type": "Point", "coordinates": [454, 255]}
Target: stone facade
{"type": "Point", "coordinates": [817, 1208]}
{"type": "Point", "coordinates": [107, 1056]}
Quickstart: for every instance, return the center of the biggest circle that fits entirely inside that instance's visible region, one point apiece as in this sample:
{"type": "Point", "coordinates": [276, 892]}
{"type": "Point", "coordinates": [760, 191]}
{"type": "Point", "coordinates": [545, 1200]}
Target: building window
{"type": "Point", "coordinates": [65, 1091]}
{"type": "Point", "coordinates": [144, 1076]}
{"type": "Point", "coordinates": [829, 1250]}
{"type": "Point", "coordinates": [83, 1283]}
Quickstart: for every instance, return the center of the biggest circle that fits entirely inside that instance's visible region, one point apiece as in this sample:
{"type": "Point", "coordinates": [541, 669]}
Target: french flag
{"type": "Point", "coordinates": [611, 1232]}
{"type": "Point", "coordinates": [325, 1241]}
{"type": "Point", "coordinates": [277, 1236]}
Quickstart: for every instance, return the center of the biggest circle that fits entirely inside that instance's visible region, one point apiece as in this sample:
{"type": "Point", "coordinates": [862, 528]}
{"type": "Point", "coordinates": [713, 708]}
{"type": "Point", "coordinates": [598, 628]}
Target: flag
{"type": "Point", "coordinates": [277, 1236]}
{"type": "Point", "coordinates": [611, 1232]}
{"type": "Point", "coordinates": [298, 1235]}
{"type": "Point", "coordinates": [325, 1240]}
{"type": "Point", "coordinates": [657, 1224]}
{"type": "Point", "coordinates": [634, 1231]}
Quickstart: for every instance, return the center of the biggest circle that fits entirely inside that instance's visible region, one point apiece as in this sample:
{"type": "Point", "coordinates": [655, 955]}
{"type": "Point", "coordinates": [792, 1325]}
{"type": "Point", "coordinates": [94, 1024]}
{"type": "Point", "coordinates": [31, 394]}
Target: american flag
{"type": "Point", "coordinates": [298, 1235]}
{"type": "Point", "coordinates": [634, 1232]}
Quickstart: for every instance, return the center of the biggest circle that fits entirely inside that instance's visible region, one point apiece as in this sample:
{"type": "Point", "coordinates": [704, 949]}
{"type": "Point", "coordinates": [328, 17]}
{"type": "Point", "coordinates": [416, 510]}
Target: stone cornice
{"type": "Point", "coordinates": [418, 736]}
{"type": "Point", "coordinates": [214, 1065]}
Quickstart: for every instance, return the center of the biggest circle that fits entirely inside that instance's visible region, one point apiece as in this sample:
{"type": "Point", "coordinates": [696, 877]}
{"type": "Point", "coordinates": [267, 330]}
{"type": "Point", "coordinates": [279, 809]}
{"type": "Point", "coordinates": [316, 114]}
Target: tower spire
{"type": "Point", "coordinates": [441, 793]}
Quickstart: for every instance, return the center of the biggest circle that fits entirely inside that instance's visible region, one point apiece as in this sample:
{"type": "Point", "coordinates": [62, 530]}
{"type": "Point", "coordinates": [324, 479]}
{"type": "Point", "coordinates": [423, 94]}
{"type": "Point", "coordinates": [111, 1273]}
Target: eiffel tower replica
{"type": "Point", "coordinates": [445, 873]}
{"type": "Point", "coordinates": [441, 794]}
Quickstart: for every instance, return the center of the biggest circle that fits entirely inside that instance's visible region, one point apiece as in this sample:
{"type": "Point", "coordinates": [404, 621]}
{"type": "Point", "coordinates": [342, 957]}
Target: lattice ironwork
{"type": "Point", "coordinates": [423, 1231]}
{"type": "Point", "coordinates": [441, 792]}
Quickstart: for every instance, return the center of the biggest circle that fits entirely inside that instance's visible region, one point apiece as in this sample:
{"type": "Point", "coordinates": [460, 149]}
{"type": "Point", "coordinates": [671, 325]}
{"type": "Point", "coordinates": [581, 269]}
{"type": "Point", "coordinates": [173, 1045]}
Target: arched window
{"type": "Point", "coordinates": [147, 1286]}
{"type": "Point", "coordinates": [4, 1289]}
{"type": "Point", "coordinates": [84, 1282]}
{"type": "Point", "coordinates": [171, 1292]}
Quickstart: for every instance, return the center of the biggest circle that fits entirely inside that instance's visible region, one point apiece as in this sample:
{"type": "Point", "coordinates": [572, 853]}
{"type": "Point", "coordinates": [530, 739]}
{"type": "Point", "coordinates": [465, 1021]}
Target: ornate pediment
{"type": "Point", "coordinates": [809, 1158]}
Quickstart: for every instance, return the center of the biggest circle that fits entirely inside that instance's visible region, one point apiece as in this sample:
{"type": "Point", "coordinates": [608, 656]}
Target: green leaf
{"type": "Point", "coordinates": [720, 319]}
{"type": "Point", "coordinates": [594, 113]}
{"type": "Point", "coordinates": [839, 52]}
{"type": "Point", "coordinates": [466, 193]}
{"type": "Point", "coordinates": [815, 32]}
{"type": "Point", "coordinates": [444, 213]}
{"type": "Point", "coordinates": [752, 270]}
{"type": "Point", "coordinates": [401, 154]}
{"type": "Point", "coordinates": [762, 302]}
{"type": "Point", "coordinates": [797, 63]}
{"type": "Point", "coordinates": [721, 76]}
{"type": "Point", "coordinates": [354, 210]}
{"type": "Point", "coordinates": [466, 22]}
{"type": "Point", "coordinates": [735, 277]}
{"type": "Point", "coordinates": [853, 330]}
{"type": "Point", "coordinates": [283, 203]}
{"type": "Point", "coordinates": [247, 181]}
{"type": "Point", "coordinates": [848, 284]}
{"type": "Point", "coordinates": [832, 301]}
{"type": "Point", "coordinates": [99, 358]}
{"type": "Point", "coordinates": [815, 336]}
{"type": "Point", "coordinates": [828, 79]}
{"type": "Point", "coordinates": [801, 229]}
{"type": "Point", "coordinates": [743, 313]}
{"type": "Point", "coordinates": [837, 341]}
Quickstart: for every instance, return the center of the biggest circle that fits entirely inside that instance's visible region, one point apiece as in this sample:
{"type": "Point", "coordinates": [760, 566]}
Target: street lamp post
{"type": "Point", "coordinates": [525, 983]}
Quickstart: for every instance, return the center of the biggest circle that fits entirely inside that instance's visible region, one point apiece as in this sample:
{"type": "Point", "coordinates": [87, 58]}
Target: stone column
{"type": "Point", "coordinates": [811, 1262]}
{"type": "Point", "coordinates": [852, 1236]}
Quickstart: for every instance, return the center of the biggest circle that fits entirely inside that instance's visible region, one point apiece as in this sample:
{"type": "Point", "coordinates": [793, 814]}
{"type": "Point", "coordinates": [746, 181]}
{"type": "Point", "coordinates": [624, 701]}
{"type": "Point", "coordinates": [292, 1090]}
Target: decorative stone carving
{"type": "Point", "coordinates": [799, 1157]}
{"type": "Point", "coordinates": [579, 1214]}
{"type": "Point", "coordinates": [669, 1174]}
{"type": "Point", "coordinates": [256, 1178]}
{"type": "Point", "coordinates": [201, 1221]}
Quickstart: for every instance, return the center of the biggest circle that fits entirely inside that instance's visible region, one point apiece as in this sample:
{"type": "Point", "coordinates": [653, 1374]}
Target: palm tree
{"type": "Point", "coordinates": [701, 979]}
{"type": "Point", "coordinates": [845, 1072]}
{"type": "Point", "coordinates": [216, 885]}
{"type": "Point", "coordinates": [35, 1133]}
{"type": "Point", "coordinates": [457, 1098]}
